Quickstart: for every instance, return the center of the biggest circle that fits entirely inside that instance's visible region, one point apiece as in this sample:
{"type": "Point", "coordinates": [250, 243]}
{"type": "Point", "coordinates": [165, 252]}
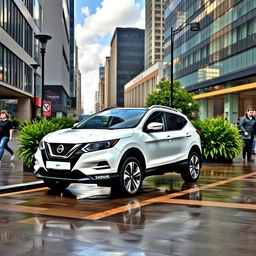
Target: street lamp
{"type": "Point", "coordinates": [34, 66]}
{"type": "Point", "coordinates": [195, 26]}
{"type": "Point", "coordinates": [43, 40]}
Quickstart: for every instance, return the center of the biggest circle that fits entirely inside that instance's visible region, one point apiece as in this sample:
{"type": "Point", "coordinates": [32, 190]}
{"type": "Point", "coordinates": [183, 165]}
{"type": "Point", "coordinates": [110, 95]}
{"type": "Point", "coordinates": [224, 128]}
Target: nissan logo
{"type": "Point", "coordinates": [60, 149]}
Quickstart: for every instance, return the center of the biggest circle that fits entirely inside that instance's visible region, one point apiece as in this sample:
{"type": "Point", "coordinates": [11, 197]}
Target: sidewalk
{"type": "Point", "coordinates": [12, 175]}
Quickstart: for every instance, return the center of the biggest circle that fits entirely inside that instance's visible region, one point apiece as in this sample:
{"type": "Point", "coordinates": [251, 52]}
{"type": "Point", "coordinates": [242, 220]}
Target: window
{"type": "Point", "coordinates": [37, 13]}
{"type": "Point", "coordinates": [174, 122]}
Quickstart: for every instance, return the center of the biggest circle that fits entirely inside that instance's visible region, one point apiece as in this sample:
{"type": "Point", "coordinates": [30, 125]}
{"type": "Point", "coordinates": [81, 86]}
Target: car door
{"type": "Point", "coordinates": [156, 142]}
{"type": "Point", "coordinates": [179, 136]}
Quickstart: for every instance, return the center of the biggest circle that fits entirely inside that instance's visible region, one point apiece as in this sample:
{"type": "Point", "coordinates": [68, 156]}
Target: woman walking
{"type": "Point", "coordinates": [5, 134]}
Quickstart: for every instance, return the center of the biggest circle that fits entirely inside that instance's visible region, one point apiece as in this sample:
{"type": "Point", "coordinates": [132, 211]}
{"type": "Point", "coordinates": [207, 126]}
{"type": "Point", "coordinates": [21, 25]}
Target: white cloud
{"type": "Point", "coordinates": [91, 34]}
{"type": "Point", "coordinates": [85, 11]}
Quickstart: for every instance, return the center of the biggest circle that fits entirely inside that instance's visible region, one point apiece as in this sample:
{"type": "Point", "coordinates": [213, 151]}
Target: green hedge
{"type": "Point", "coordinates": [31, 134]}
{"type": "Point", "coordinates": [220, 140]}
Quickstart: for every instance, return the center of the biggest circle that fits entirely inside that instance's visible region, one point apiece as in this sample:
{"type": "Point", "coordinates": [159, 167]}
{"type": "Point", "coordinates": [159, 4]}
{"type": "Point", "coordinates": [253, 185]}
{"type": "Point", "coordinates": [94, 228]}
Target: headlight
{"type": "Point", "coordinates": [94, 146]}
{"type": "Point", "coordinates": [41, 145]}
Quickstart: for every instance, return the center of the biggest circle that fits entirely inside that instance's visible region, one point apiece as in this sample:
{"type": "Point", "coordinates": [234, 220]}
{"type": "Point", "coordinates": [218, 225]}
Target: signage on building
{"type": "Point", "coordinates": [47, 108]}
{"type": "Point", "coordinates": [53, 96]}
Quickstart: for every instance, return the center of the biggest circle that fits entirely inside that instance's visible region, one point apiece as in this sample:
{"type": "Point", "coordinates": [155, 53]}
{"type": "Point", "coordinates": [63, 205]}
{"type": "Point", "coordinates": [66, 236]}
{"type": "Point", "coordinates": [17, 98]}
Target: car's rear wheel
{"type": "Point", "coordinates": [130, 177]}
{"type": "Point", "coordinates": [56, 185]}
{"type": "Point", "coordinates": [192, 170]}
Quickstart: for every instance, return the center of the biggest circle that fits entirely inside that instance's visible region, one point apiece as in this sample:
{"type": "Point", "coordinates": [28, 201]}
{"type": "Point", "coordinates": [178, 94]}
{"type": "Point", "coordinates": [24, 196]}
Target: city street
{"type": "Point", "coordinates": [215, 216]}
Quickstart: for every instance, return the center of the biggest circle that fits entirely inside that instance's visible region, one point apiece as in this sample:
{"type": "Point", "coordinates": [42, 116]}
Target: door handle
{"type": "Point", "coordinates": [188, 135]}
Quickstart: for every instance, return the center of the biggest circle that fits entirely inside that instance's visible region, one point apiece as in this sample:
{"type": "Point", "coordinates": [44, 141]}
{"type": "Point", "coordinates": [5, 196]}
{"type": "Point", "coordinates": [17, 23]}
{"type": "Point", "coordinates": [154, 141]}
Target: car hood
{"type": "Point", "coordinates": [76, 136]}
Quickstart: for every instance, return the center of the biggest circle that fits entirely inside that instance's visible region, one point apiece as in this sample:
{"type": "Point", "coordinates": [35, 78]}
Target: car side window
{"type": "Point", "coordinates": [175, 122]}
{"type": "Point", "coordinates": [155, 117]}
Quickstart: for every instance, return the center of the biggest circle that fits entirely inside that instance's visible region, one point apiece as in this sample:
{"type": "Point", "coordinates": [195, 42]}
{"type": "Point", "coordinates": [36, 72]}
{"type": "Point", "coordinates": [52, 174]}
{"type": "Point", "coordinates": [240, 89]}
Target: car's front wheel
{"type": "Point", "coordinates": [130, 177]}
{"type": "Point", "coordinates": [56, 185]}
{"type": "Point", "coordinates": [192, 170]}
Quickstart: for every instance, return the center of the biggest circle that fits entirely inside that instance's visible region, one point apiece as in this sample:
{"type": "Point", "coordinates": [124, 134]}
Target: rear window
{"type": "Point", "coordinates": [175, 122]}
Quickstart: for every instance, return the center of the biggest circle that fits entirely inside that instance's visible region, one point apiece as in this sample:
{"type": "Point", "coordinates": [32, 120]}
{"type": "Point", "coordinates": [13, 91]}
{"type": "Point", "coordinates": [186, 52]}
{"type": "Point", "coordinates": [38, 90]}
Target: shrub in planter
{"type": "Point", "coordinates": [63, 122]}
{"type": "Point", "coordinates": [31, 134]}
{"type": "Point", "coordinates": [220, 140]}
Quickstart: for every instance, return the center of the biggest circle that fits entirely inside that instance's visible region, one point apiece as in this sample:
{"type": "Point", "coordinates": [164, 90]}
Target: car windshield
{"type": "Point", "coordinates": [113, 119]}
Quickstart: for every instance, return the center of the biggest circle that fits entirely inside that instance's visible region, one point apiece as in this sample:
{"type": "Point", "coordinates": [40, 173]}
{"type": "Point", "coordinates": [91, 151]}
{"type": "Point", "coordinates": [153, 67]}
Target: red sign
{"type": "Point", "coordinates": [47, 108]}
{"type": "Point", "coordinates": [37, 101]}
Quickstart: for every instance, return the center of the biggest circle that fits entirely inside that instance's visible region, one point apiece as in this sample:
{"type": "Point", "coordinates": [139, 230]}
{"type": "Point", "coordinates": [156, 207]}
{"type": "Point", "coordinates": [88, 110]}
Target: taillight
{"type": "Point", "coordinates": [199, 132]}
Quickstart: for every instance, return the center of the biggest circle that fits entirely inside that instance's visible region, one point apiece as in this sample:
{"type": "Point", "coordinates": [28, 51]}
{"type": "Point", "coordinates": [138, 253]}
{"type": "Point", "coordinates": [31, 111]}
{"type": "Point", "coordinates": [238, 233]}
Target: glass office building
{"type": "Point", "coordinates": [218, 62]}
{"type": "Point", "coordinates": [19, 22]}
{"type": "Point", "coordinates": [127, 61]}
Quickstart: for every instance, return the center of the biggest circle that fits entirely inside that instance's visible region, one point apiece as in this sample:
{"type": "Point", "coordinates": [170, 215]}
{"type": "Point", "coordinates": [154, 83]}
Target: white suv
{"type": "Point", "coordinates": [118, 147]}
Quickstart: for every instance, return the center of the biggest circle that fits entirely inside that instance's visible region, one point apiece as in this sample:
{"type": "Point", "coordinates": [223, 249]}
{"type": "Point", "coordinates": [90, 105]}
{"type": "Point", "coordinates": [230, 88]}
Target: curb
{"type": "Point", "coordinates": [21, 187]}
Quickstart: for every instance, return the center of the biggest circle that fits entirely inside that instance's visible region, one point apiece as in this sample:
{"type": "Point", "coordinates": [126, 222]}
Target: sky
{"type": "Point", "coordinates": [96, 21]}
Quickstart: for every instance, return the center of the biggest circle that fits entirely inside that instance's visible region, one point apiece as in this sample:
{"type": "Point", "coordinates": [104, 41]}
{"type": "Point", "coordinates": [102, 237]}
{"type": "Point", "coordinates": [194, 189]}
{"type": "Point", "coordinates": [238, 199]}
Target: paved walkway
{"type": "Point", "coordinates": [12, 175]}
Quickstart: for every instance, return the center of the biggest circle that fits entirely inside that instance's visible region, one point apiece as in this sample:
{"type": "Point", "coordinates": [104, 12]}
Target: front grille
{"type": "Point", "coordinates": [67, 148]}
{"type": "Point", "coordinates": [61, 150]}
{"type": "Point", "coordinates": [72, 159]}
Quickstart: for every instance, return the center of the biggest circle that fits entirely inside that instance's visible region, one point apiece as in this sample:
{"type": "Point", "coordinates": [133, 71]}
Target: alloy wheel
{"type": "Point", "coordinates": [132, 177]}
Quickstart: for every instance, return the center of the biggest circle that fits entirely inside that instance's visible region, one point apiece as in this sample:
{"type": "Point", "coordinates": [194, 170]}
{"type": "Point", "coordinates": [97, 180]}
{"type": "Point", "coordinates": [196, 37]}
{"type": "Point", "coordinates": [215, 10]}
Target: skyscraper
{"type": "Point", "coordinates": [56, 18]}
{"type": "Point", "coordinates": [127, 60]}
{"type": "Point", "coordinates": [154, 32]}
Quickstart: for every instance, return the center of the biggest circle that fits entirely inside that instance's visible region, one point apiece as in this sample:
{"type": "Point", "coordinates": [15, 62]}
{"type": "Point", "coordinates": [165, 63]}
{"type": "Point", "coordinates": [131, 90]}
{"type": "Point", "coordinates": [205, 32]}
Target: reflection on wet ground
{"type": "Point", "coordinates": [214, 216]}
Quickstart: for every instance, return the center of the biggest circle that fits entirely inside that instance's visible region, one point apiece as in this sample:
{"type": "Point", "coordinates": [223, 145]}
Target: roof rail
{"type": "Point", "coordinates": [161, 106]}
{"type": "Point", "coordinates": [108, 108]}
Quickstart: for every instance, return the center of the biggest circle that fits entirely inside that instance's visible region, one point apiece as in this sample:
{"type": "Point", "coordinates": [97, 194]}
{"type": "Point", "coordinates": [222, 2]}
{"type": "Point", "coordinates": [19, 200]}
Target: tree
{"type": "Point", "coordinates": [182, 100]}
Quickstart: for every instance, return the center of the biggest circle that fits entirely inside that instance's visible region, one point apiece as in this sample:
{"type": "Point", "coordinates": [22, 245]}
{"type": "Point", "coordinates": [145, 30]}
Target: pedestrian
{"type": "Point", "coordinates": [248, 128]}
{"type": "Point", "coordinates": [254, 137]}
{"type": "Point", "coordinates": [5, 134]}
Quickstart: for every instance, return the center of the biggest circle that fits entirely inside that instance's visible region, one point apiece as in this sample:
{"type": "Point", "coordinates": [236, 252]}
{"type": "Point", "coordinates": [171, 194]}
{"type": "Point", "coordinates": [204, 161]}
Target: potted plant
{"type": "Point", "coordinates": [220, 140]}
{"type": "Point", "coordinates": [31, 134]}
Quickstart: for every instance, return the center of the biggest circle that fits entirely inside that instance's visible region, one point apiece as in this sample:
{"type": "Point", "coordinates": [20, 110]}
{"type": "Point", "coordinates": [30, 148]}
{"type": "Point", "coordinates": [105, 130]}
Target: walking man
{"type": "Point", "coordinates": [5, 134]}
{"type": "Point", "coordinates": [248, 128]}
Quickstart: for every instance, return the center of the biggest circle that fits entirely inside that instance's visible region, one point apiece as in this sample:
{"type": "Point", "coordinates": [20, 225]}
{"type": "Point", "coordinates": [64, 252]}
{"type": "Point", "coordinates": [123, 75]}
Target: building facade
{"type": "Point", "coordinates": [72, 56]}
{"type": "Point", "coordinates": [154, 32]}
{"type": "Point", "coordinates": [138, 89]}
{"type": "Point", "coordinates": [127, 60]}
{"type": "Point", "coordinates": [218, 62]}
{"type": "Point", "coordinates": [56, 17]}
{"type": "Point", "coordinates": [78, 84]}
{"type": "Point", "coordinates": [101, 87]}
{"type": "Point", "coordinates": [19, 22]}
{"type": "Point", "coordinates": [107, 83]}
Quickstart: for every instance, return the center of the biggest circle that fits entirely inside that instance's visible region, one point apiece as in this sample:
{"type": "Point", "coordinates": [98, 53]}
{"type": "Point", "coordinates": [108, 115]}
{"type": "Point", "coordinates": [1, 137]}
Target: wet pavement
{"type": "Point", "coordinates": [215, 216]}
{"type": "Point", "coordinates": [12, 174]}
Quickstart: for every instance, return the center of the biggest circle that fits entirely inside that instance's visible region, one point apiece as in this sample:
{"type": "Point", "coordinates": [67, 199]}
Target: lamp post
{"type": "Point", "coordinates": [43, 40]}
{"type": "Point", "coordinates": [34, 66]}
{"type": "Point", "coordinates": [195, 26]}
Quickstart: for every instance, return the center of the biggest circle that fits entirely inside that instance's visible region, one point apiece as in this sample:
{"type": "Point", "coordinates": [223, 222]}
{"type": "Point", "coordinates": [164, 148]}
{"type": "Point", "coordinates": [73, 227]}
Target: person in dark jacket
{"type": "Point", "coordinates": [248, 128]}
{"type": "Point", "coordinates": [5, 134]}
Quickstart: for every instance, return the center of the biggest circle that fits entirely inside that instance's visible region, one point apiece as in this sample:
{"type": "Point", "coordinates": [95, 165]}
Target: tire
{"type": "Point", "coordinates": [130, 177]}
{"type": "Point", "coordinates": [56, 185]}
{"type": "Point", "coordinates": [192, 171]}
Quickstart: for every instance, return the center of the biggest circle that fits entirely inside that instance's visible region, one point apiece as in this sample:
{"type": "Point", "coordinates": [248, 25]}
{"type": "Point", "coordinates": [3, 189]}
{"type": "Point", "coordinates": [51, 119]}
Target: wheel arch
{"type": "Point", "coordinates": [135, 152]}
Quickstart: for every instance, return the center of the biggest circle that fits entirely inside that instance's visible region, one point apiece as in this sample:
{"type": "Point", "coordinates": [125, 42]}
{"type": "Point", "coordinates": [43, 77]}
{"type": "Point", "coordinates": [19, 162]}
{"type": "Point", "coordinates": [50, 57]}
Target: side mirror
{"type": "Point", "coordinates": [155, 126]}
{"type": "Point", "coordinates": [75, 124]}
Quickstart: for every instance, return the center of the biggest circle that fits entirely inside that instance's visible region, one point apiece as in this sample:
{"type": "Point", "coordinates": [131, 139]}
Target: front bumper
{"type": "Point", "coordinates": [93, 167]}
